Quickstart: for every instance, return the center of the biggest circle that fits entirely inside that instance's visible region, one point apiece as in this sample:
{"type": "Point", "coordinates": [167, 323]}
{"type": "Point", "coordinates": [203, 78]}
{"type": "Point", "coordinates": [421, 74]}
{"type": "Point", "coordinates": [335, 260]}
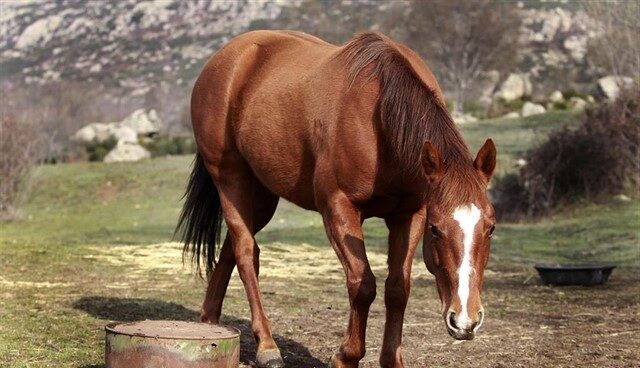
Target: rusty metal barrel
{"type": "Point", "coordinates": [175, 344]}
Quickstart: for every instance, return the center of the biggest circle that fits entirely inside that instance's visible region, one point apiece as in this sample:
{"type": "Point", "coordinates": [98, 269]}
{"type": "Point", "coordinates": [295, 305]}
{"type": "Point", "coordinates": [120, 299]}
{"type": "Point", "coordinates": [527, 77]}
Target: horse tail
{"type": "Point", "coordinates": [200, 222]}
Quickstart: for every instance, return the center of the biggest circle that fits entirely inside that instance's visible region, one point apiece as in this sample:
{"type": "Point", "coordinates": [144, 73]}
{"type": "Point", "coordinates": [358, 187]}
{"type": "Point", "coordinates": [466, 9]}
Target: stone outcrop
{"type": "Point", "coordinates": [530, 108]}
{"type": "Point", "coordinates": [141, 123]}
{"type": "Point", "coordinates": [611, 85]}
{"type": "Point", "coordinates": [556, 96]}
{"type": "Point", "coordinates": [125, 151]}
{"type": "Point", "coordinates": [516, 86]}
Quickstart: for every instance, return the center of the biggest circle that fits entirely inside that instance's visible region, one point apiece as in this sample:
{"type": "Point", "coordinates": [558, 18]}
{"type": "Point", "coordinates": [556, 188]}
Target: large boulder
{"type": "Point", "coordinates": [530, 108]}
{"type": "Point", "coordinates": [486, 86]}
{"type": "Point", "coordinates": [556, 96]}
{"type": "Point", "coordinates": [88, 133]}
{"type": "Point", "coordinates": [511, 115]}
{"type": "Point", "coordinates": [144, 123]}
{"type": "Point", "coordinates": [577, 104]}
{"type": "Point", "coordinates": [123, 134]}
{"type": "Point", "coordinates": [464, 118]}
{"type": "Point", "coordinates": [140, 123]}
{"type": "Point", "coordinates": [516, 86]}
{"type": "Point", "coordinates": [577, 46]}
{"type": "Point", "coordinates": [610, 85]}
{"type": "Point", "coordinates": [125, 151]}
{"type": "Point", "coordinates": [101, 132]}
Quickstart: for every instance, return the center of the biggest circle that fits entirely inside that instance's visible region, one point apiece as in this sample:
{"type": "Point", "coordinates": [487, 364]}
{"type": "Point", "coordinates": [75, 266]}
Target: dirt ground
{"type": "Point", "coordinates": [527, 324]}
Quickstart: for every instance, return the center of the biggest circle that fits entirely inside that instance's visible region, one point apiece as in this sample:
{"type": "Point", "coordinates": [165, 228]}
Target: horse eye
{"type": "Point", "coordinates": [434, 231]}
{"type": "Point", "coordinates": [493, 228]}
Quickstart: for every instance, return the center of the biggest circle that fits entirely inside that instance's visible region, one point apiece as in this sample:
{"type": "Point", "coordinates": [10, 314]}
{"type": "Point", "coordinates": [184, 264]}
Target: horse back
{"type": "Point", "coordinates": [283, 101]}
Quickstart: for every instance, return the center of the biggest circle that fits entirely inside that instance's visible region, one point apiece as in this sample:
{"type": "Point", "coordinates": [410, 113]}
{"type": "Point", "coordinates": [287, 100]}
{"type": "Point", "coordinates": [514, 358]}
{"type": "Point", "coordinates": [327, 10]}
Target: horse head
{"type": "Point", "coordinates": [460, 223]}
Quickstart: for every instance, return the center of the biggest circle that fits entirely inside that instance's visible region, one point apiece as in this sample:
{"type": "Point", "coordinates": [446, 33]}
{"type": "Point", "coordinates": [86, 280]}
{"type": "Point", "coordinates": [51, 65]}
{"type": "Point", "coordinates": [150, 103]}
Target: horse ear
{"type": "Point", "coordinates": [486, 159]}
{"type": "Point", "coordinates": [431, 161]}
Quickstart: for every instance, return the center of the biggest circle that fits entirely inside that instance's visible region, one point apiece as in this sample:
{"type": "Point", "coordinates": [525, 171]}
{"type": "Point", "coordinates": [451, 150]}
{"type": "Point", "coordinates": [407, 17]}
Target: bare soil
{"type": "Point", "coordinates": [527, 324]}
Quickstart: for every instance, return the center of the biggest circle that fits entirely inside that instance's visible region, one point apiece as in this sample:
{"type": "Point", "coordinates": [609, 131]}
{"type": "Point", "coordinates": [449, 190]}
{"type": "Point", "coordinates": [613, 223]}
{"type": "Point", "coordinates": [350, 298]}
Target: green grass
{"type": "Point", "coordinates": [55, 295]}
{"type": "Point", "coordinates": [513, 137]}
{"type": "Point", "coordinates": [138, 203]}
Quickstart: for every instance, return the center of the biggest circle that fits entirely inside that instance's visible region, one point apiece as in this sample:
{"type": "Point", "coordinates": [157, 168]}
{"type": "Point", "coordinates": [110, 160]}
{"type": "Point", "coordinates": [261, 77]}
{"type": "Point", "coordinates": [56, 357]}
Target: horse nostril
{"type": "Point", "coordinates": [452, 320]}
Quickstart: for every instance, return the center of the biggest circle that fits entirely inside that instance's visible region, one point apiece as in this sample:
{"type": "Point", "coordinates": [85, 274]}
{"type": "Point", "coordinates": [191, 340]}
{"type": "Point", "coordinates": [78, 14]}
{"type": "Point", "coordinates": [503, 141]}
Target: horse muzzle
{"type": "Point", "coordinates": [462, 327]}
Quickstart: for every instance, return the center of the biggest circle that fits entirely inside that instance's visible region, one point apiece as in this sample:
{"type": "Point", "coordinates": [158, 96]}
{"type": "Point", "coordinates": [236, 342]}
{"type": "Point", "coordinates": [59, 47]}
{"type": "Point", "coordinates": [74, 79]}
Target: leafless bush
{"type": "Point", "coordinates": [19, 144]}
{"type": "Point", "coordinates": [617, 49]}
{"type": "Point", "coordinates": [599, 158]}
{"type": "Point", "coordinates": [462, 40]}
{"type": "Point", "coordinates": [60, 108]}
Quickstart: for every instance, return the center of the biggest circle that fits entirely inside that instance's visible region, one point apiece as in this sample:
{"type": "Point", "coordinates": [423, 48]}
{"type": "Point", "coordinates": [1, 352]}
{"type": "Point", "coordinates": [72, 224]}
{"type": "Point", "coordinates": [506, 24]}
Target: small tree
{"type": "Point", "coordinates": [616, 50]}
{"type": "Point", "coordinates": [462, 40]}
{"type": "Point", "coordinates": [19, 144]}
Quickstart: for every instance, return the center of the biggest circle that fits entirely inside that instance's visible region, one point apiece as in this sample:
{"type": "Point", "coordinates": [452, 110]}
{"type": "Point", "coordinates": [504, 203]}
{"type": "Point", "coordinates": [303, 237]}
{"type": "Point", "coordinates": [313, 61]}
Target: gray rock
{"type": "Point", "coordinates": [577, 104]}
{"type": "Point", "coordinates": [123, 134]}
{"type": "Point", "coordinates": [487, 86]}
{"type": "Point", "coordinates": [125, 152]}
{"type": "Point", "coordinates": [514, 87]}
{"type": "Point", "coordinates": [144, 123]}
{"type": "Point", "coordinates": [511, 115]}
{"type": "Point", "coordinates": [622, 198]}
{"type": "Point", "coordinates": [464, 118]}
{"type": "Point", "coordinates": [577, 46]}
{"type": "Point", "coordinates": [610, 85]}
{"type": "Point", "coordinates": [556, 96]}
{"type": "Point", "coordinates": [530, 108]}
{"type": "Point", "coordinates": [139, 124]}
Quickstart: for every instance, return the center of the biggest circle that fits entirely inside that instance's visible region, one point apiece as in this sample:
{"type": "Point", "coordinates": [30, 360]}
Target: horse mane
{"type": "Point", "coordinates": [410, 113]}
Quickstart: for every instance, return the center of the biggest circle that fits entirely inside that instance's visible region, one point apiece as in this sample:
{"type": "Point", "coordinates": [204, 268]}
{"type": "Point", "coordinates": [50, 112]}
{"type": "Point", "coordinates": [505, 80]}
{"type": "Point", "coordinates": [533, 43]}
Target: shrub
{"type": "Point", "coordinates": [96, 151]}
{"type": "Point", "coordinates": [19, 144]}
{"type": "Point", "coordinates": [570, 93]}
{"type": "Point", "coordinates": [510, 197]}
{"type": "Point", "coordinates": [501, 107]}
{"type": "Point", "coordinates": [170, 145]}
{"type": "Point", "coordinates": [560, 105]}
{"type": "Point", "coordinates": [598, 158]}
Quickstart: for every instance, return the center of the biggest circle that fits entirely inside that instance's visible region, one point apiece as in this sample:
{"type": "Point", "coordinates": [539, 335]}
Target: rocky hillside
{"type": "Point", "coordinates": [131, 44]}
{"type": "Point", "coordinates": [128, 43]}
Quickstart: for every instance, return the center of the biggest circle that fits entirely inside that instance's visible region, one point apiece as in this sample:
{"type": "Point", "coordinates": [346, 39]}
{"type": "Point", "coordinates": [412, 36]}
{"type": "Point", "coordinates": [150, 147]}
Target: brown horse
{"type": "Point", "coordinates": [352, 132]}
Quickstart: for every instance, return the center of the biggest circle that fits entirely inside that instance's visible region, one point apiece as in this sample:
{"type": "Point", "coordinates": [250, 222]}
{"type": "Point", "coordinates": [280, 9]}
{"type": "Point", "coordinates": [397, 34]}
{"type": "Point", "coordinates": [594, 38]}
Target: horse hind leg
{"type": "Point", "coordinates": [265, 204]}
{"type": "Point", "coordinates": [235, 187]}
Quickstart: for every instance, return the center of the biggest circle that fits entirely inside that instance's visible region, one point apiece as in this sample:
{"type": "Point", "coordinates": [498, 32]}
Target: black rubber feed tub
{"type": "Point", "coordinates": [571, 274]}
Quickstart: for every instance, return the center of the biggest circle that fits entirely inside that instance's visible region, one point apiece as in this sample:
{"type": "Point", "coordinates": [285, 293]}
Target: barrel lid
{"type": "Point", "coordinates": [173, 330]}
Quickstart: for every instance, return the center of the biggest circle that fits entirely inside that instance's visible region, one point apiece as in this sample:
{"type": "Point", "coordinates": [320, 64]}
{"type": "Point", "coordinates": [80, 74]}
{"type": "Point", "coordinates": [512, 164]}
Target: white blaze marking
{"type": "Point", "coordinates": [467, 217]}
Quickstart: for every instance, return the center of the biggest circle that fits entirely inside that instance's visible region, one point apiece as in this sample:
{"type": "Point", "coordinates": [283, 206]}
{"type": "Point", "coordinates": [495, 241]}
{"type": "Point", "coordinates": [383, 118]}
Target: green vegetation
{"type": "Point", "coordinates": [96, 151]}
{"type": "Point", "coordinates": [500, 107]}
{"type": "Point", "coordinates": [170, 145]}
{"type": "Point", "coordinates": [514, 137]}
{"type": "Point", "coordinates": [82, 254]}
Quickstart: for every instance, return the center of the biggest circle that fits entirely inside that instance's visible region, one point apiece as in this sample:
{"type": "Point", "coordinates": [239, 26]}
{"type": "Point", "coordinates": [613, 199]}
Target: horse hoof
{"type": "Point", "coordinates": [269, 359]}
{"type": "Point", "coordinates": [205, 319]}
{"type": "Point", "coordinates": [334, 362]}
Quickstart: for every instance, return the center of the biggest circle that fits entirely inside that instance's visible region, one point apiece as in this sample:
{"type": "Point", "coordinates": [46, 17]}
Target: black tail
{"type": "Point", "coordinates": [201, 218]}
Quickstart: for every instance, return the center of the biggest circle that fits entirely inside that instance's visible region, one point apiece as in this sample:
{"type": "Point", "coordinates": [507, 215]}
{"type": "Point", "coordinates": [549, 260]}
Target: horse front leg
{"type": "Point", "coordinates": [405, 232]}
{"type": "Point", "coordinates": [343, 225]}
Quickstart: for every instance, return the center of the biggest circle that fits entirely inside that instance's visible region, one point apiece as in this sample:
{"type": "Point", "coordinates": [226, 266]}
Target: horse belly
{"type": "Point", "coordinates": [273, 140]}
